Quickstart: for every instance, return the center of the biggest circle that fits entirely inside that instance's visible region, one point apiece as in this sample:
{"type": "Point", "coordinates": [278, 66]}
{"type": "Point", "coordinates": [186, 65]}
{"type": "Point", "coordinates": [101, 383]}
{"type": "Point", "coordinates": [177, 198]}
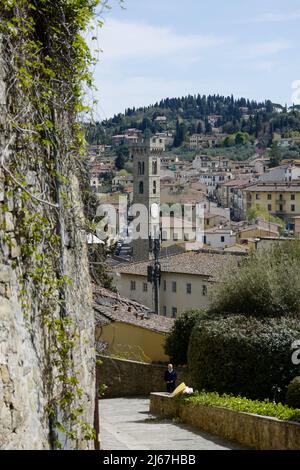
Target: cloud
{"type": "Point", "coordinates": [266, 48]}
{"type": "Point", "coordinates": [278, 17]}
{"type": "Point", "coordinates": [129, 40]}
{"type": "Point", "coordinates": [263, 66]}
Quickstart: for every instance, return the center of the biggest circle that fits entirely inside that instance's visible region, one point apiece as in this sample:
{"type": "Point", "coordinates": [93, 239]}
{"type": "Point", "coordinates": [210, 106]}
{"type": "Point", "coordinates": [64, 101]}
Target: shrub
{"type": "Point", "coordinates": [178, 339]}
{"type": "Point", "coordinates": [266, 285]}
{"type": "Point", "coordinates": [243, 356]}
{"type": "Point", "coordinates": [293, 393]}
{"type": "Point", "coordinates": [263, 408]}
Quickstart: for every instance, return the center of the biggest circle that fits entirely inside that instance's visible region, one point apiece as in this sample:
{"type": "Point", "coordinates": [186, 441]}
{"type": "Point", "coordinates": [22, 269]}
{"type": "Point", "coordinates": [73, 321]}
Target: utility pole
{"type": "Point", "coordinates": [154, 271]}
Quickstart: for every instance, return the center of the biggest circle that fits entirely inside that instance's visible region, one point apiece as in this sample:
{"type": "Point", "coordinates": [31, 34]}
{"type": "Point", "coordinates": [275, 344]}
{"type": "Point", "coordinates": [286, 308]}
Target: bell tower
{"type": "Point", "coordinates": [146, 191]}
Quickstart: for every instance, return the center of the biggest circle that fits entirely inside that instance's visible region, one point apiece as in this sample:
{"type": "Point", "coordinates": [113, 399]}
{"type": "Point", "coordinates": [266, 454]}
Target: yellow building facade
{"type": "Point", "coordinates": [133, 342]}
{"type": "Point", "coordinates": [280, 200]}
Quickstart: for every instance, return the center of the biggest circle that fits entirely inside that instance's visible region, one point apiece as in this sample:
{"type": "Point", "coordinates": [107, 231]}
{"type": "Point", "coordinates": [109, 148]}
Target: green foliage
{"type": "Point", "coordinates": [256, 213]}
{"type": "Point", "coordinates": [101, 390]}
{"type": "Point", "coordinates": [122, 156]}
{"type": "Point", "coordinates": [241, 404]}
{"type": "Point", "coordinates": [275, 155]}
{"type": "Point", "coordinates": [180, 134]}
{"type": "Point", "coordinates": [123, 173]}
{"type": "Point", "coordinates": [178, 339]}
{"type": "Point", "coordinates": [293, 393]}
{"type": "Point", "coordinates": [243, 356]}
{"type": "Point", "coordinates": [229, 141]}
{"type": "Point", "coordinates": [242, 138]}
{"type": "Point", "coordinates": [267, 284]}
{"type": "Point", "coordinates": [239, 138]}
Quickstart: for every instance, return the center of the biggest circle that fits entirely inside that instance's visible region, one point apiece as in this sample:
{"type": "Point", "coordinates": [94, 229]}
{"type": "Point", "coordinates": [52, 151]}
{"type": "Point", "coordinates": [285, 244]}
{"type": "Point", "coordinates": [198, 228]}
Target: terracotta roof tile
{"type": "Point", "coordinates": [110, 307]}
{"type": "Point", "coordinates": [203, 264]}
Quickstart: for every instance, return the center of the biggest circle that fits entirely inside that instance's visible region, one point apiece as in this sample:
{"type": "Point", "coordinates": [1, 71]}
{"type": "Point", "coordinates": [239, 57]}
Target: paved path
{"type": "Point", "coordinates": [125, 424]}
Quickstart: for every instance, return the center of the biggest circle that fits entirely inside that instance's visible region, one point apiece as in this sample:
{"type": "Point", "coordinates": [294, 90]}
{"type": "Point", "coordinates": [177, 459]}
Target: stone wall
{"type": "Point", "coordinates": [249, 430]}
{"type": "Point", "coordinates": [24, 352]}
{"type": "Point", "coordinates": [130, 378]}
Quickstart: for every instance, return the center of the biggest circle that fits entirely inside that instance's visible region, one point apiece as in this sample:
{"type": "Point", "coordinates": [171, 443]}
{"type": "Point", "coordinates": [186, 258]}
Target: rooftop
{"type": "Point", "coordinates": [196, 263]}
{"type": "Point", "coordinates": [277, 187]}
{"type": "Point", "coordinates": [110, 307]}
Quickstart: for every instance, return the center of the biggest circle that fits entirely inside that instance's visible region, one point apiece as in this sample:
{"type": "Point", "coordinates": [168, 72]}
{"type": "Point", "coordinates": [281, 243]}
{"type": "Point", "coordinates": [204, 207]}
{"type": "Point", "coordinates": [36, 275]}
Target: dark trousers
{"type": "Point", "coordinates": [171, 387]}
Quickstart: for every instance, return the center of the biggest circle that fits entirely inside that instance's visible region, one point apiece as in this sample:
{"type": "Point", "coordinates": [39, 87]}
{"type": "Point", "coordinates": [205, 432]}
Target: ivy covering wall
{"type": "Point", "coordinates": [45, 65]}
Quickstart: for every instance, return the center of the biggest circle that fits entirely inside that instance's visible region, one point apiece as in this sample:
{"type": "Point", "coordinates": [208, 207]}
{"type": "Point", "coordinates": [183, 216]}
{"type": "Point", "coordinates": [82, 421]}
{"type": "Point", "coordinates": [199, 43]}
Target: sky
{"type": "Point", "coordinates": [155, 49]}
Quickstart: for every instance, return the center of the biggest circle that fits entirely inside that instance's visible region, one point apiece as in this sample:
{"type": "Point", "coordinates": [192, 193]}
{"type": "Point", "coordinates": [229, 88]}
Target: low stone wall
{"type": "Point", "coordinates": [249, 430]}
{"type": "Point", "coordinates": [126, 378]}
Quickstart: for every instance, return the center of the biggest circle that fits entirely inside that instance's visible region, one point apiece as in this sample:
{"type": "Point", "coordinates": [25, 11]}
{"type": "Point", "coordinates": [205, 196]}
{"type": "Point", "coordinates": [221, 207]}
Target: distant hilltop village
{"type": "Point", "coordinates": [239, 161]}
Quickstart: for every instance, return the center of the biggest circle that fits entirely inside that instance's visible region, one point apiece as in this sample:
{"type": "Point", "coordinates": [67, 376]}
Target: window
{"type": "Point", "coordinates": [165, 285]}
{"type": "Point", "coordinates": [281, 208]}
{"type": "Point", "coordinates": [204, 239]}
{"type": "Point", "coordinates": [257, 197]}
{"type": "Point", "coordinates": [174, 286]}
{"type": "Point", "coordinates": [280, 197]}
{"type": "Point", "coordinates": [141, 168]}
{"type": "Point", "coordinates": [154, 167]}
{"type": "Point", "coordinates": [141, 187]}
{"type": "Point", "coordinates": [269, 197]}
{"type": "Point", "coordinates": [145, 287]}
{"type": "Point", "coordinates": [222, 239]}
{"type": "Point", "coordinates": [132, 285]}
{"type": "Point", "coordinates": [164, 311]}
{"type": "Point", "coordinates": [174, 312]}
{"type": "Point", "coordinates": [204, 290]}
{"type": "Point", "coordinates": [164, 235]}
{"type": "Point", "coordinates": [189, 288]}
{"type": "Point", "coordinates": [270, 207]}
{"type": "Point", "coordinates": [154, 187]}
{"type": "Point", "coordinates": [293, 207]}
{"type": "Point", "coordinates": [293, 197]}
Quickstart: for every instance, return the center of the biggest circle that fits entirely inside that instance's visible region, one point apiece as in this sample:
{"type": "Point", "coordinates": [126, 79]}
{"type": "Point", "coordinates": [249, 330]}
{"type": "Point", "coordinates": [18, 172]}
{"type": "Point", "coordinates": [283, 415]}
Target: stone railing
{"type": "Point", "coordinates": [130, 378]}
{"type": "Point", "coordinates": [249, 430]}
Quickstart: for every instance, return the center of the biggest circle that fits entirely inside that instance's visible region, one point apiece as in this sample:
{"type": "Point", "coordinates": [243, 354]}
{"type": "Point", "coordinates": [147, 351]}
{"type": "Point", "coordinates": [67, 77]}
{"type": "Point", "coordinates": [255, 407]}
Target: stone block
{"type": "Point", "coordinates": [4, 373]}
{"type": "Point", "coordinates": [15, 250]}
{"type": "Point", "coordinates": [10, 203]}
{"type": "Point", "coordinates": [9, 222]}
{"type": "Point", "coordinates": [5, 273]}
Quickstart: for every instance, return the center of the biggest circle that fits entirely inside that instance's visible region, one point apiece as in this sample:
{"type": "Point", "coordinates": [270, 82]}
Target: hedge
{"type": "Point", "coordinates": [243, 355]}
{"type": "Point", "coordinates": [262, 408]}
{"type": "Point", "coordinates": [293, 393]}
{"type": "Point", "coordinates": [177, 341]}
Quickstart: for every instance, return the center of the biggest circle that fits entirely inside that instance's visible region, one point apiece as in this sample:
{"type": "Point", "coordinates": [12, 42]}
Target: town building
{"type": "Point", "coordinates": [231, 194]}
{"type": "Point", "coordinates": [213, 180]}
{"type": "Point", "coordinates": [204, 163]}
{"type": "Point", "coordinates": [122, 182]}
{"type": "Point", "coordinates": [201, 141]}
{"type": "Point", "coordinates": [128, 329]}
{"type": "Point", "coordinates": [188, 281]}
{"type": "Point", "coordinates": [279, 199]}
{"type": "Point", "coordinates": [219, 238]}
{"type": "Point", "coordinates": [282, 173]}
